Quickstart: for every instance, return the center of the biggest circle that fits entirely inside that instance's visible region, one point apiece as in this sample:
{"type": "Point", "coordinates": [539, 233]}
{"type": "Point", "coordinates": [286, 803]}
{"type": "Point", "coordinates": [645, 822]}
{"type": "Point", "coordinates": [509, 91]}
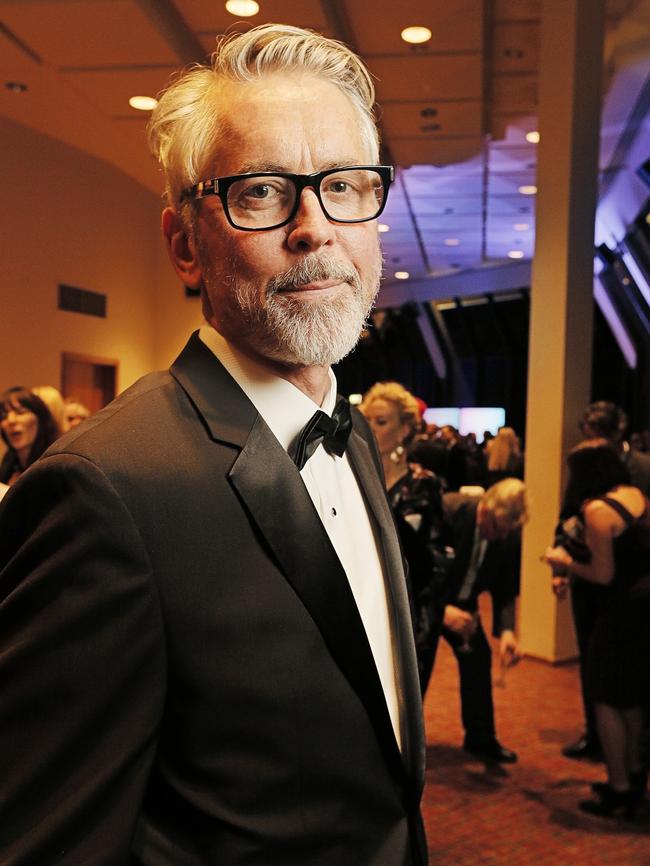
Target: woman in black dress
{"type": "Point", "coordinates": [617, 534]}
{"type": "Point", "coordinates": [415, 496]}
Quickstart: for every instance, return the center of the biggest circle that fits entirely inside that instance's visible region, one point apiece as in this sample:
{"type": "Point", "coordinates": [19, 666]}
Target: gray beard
{"type": "Point", "coordinates": [298, 332]}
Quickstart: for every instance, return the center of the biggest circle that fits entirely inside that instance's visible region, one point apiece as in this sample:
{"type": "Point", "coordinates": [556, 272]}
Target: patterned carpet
{"type": "Point", "coordinates": [524, 813]}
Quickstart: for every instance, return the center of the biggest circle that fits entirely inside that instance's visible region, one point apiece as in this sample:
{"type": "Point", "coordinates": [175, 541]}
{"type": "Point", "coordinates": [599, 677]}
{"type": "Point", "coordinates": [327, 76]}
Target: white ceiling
{"type": "Point", "coordinates": [454, 113]}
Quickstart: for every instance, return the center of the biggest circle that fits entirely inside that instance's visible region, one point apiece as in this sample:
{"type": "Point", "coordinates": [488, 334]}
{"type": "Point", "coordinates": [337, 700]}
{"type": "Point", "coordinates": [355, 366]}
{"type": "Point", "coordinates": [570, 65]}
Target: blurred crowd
{"type": "Point", "coordinates": [459, 508]}
{"type": "Point", "coordinates": [30, 421]}
{"type": "Point", "coordinates": [459, 505]}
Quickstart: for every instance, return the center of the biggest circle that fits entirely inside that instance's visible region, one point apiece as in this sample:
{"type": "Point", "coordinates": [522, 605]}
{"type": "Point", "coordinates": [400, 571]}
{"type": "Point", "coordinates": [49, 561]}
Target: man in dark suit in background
{"type": "Point", "coordinates": [485, 533]}
{"type": "Point", "coordinates": [205, 642]}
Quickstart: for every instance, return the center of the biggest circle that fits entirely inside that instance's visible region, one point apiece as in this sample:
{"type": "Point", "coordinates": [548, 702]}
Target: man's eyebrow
{"type": "Point", "coordinates": [253, 167]}
{"type": "Point", "coordinates": [260, 166]}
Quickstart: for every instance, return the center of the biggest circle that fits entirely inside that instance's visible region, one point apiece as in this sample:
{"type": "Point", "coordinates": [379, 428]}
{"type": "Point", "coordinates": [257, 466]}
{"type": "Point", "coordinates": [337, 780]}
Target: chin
{"type": "Point", "coordinates": [315, 333]}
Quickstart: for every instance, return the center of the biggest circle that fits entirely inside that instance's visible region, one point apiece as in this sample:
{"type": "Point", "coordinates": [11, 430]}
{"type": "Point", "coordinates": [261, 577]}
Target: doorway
{"type": "Point", "coordinates": [92, 381]}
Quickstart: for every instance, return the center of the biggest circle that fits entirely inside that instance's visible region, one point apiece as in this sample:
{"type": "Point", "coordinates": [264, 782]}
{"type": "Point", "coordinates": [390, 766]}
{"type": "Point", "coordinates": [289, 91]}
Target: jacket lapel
{"type": "Point", "coordinates": [408, 684]}
{"type": "Point", "coordinates": [293, 530]}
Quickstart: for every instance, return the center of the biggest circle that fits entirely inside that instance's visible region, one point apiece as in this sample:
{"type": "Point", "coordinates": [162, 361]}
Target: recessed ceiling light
{"type": "Point", "coordinates": [402, 275]}
{"type": "Point", "coordinates": [416, 35]}
{"type": "Point", "coordinates": [451, 242]}
{"type": "Point", "coordinates": [382, 227]}
{"type": "Point", "coordinates": [16, 86]}
{"type": "Point", "coordinates": [528, 189]}
{"type": "Point", "coordinates": [242, 8]}
{"type": "Point", "coordinates": [521, 227]}
{"type": "Point", "coordinates": [143, 103]}
{"type": "Point", "coordinates": [516, 254]}
{"type": "Point", "coordinates": [533, 137]}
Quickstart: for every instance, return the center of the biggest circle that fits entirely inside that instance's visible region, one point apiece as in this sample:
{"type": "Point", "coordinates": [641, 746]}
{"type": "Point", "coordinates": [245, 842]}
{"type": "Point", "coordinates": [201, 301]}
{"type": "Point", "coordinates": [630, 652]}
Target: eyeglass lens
{"type": "Point", "coordinates": [263, 202]}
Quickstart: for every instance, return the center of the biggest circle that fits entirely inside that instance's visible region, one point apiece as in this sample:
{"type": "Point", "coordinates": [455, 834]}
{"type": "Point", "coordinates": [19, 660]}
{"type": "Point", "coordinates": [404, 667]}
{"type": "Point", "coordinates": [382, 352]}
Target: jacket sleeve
{"type": "Point", "coordinates": [82, 668]}
{"type": "Point", "coordinates": [504, 584]}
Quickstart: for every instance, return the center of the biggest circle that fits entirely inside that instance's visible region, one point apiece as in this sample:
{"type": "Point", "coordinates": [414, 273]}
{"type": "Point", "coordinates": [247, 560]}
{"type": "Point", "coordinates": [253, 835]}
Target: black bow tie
{"type": "Point", "coordinates": [332, 432]}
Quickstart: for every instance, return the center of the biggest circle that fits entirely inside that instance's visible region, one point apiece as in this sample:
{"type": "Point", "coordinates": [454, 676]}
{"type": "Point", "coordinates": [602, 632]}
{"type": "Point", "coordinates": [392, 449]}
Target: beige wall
{"type": "Point", "coordinates": [70, 218]}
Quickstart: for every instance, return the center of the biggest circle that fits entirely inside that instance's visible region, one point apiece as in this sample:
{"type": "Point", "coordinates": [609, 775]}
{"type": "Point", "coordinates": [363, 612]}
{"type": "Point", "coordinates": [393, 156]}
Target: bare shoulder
{"type": "Point", "coordinates": [631, 498]}
{"type": "Point", "coordinates": [600, 517]}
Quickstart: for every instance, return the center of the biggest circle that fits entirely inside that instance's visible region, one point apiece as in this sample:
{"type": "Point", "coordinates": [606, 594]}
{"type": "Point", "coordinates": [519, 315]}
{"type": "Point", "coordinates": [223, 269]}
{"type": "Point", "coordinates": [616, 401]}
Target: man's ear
{"type": "Point", "coordinates": [182, 249]}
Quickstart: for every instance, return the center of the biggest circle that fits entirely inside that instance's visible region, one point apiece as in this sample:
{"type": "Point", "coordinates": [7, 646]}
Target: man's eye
{"type": "Point", "coordinates": [260, 190]}
{"type": "Point", "coordinates": [339, 186]}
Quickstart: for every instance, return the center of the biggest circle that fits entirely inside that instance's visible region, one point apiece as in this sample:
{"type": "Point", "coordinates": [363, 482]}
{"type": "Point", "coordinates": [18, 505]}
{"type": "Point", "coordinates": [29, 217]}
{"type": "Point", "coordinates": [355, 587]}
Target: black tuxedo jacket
{"type": "Point", "coordinates": [186, 679]}
{"type": "Point", "coordinates": [499, 571]}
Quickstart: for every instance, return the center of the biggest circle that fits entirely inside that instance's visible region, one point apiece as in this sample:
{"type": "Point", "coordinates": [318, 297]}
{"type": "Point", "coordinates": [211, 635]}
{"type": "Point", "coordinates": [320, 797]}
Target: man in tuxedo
{"type": "Point", "coordinates": [485, 533]}
{"type": "Point", "coordinates": [205, 641]}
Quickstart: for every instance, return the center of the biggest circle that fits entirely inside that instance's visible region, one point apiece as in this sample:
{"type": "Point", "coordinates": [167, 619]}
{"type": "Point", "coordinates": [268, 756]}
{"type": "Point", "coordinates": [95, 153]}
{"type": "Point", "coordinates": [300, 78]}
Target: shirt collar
{"type": "Point", "coordinates": [284, 408]}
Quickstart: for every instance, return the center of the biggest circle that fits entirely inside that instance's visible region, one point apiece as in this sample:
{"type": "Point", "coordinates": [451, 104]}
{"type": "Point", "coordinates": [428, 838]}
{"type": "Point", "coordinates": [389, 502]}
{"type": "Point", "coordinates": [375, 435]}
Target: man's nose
{"type": "Point", "coordinates": [310, 228]}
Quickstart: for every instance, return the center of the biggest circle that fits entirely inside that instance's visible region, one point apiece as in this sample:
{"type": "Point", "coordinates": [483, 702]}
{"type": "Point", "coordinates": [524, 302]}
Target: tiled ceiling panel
{"type": "Point", "coordinates": [515, 47]}
{"type": "Point", "coordinates": [514, 96]}
{"type": "Point", "coordinates": [109, 32]}
{"type": "Point", "coordinates": [428, 77]}
{"type": "Point", "coordinates": [211, 17]}
{"type": "Point", "coordinates": [428, 151]}
{"type": "Point", "coordinates": [441, 184]}
{"type": "Point", "coordinates": [455, 27]}
{"type": "Point", "coordinates": [109, 90]}
{"type": "Point", "coordinates": [517, 10]}
{"type": "Point", "coordinates": [432, 119]}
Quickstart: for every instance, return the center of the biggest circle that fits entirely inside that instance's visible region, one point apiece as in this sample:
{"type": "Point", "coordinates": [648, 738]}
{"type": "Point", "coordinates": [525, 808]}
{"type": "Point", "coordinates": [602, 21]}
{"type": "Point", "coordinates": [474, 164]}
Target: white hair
{"type": "Point", "coordinates": [508, 500]}
{"type": "Point", "coordinates": [185, 125]}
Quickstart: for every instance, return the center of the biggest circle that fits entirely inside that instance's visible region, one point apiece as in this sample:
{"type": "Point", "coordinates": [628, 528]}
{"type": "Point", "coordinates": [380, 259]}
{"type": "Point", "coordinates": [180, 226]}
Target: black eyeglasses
{"type": "Point", "coordinates": [268, 200]}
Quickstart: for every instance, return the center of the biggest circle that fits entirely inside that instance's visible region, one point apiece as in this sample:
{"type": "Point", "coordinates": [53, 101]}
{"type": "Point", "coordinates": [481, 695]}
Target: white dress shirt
{"type": "Point", "coordinates": [335, 493]}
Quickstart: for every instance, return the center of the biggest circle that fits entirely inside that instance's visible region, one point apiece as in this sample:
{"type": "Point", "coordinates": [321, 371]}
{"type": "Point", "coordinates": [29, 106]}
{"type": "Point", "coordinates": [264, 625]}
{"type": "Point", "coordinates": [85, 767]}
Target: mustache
{"type": "Point", "coordinates": [313, 269]}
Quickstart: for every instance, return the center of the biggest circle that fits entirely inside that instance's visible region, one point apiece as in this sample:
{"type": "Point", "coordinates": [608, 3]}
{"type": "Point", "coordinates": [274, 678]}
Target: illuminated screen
{"type": "Point", "coordinates": [469, 419]}
{"type": "Point", "coordinates": [442, 417]}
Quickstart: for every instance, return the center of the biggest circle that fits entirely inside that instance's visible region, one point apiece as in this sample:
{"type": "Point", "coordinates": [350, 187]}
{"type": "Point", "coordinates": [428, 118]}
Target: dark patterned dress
{"type": "Point", "coordinates": [416, 500]}
{"type": "Point", "coordinates": [618, 654]}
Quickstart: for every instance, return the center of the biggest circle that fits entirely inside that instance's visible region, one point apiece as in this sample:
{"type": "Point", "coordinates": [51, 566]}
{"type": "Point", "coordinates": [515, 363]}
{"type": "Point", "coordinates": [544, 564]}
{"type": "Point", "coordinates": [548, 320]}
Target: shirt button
{"type": "Point", "coordinates": [333, 512]}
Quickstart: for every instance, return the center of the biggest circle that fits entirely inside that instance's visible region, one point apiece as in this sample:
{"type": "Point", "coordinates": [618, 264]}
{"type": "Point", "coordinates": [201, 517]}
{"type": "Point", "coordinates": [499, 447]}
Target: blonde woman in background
{"type": "Point", "coordinates": [75, 412]}
{"type": "Point", "coordinates": [504, 459]}
{"type": "Point", "coordinates": [52, 398]}
{"type": "Point", "coordinates": [415, 497]}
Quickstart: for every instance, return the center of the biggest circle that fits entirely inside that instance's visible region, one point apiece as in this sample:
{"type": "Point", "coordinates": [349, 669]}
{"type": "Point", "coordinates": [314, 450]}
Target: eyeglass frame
{"type": "Point", "coordinates": [219, 186]}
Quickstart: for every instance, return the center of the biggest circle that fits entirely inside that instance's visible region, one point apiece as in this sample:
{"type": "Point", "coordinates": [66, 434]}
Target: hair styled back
{"type": "Point", "coordinates": [507, 501]}
{"type": "Point", "coordinates": [186, 123]}
{"type": "Point", "coordinates": [594, 469]}
{"type": "Point", "coordinates": [405, 403]}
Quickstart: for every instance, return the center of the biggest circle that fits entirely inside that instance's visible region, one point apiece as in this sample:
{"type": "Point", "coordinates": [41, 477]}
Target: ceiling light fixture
{"type": "Point", "coordinates": [143, 103]}
{"type": "Point", "coordinates": [528, 189]}
{"type": "Point", "coordinates": [515, 254]}
{"type": "Point", "coordinates": [402, 275]}
{"type": "Point", "coordinates": [382, 228]}
{"type": "Point", "coordinates": [16, 86]}
{"type": "Point", "coordinates": [533, 137]}
{"type": "Point", "coordinates": [451, 242]}
{"type": "Point", "coordinates": [521, 227]}
{"type": "Point", "coordinates": [242, 8]}
{"type": "Point", "coordinates": [416, 35]}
